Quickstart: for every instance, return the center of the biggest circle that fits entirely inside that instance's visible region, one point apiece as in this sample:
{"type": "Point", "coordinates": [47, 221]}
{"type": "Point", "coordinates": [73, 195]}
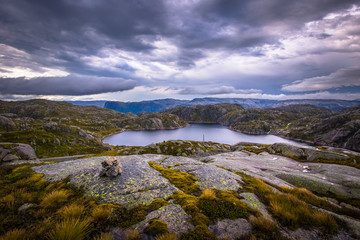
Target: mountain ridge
{"type": "Point", "coordinates": [164, 104]}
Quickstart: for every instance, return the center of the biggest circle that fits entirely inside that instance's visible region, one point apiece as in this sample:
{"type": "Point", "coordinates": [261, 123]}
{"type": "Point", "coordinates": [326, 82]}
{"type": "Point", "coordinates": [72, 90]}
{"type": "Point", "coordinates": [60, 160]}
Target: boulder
{"type": "Point", "coordinates": [25, 151]}
{"type": "Point", "coordinates": [111, 168]}
{"type": "Point", "coordinates": [9, 158]}
{"type": "Point", "coordinates": [3, 153]}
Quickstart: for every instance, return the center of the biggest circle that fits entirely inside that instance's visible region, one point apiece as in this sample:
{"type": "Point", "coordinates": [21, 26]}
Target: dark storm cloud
{"type": "Point", "coordinates": [69, 85]}
{"type": "Point", "coordinates": [66, 30]}
{"type": "Point", "coordinates": [68, 35]}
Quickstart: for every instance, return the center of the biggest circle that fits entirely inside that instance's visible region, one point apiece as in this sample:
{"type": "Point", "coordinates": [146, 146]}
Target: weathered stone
{"type": "Point", "coordinates": [3, 153]}
{"type": "Point", "coordinates": [26, 206]}
{"type": "Point", "coordinates": [231, 229]}
{"type": "Point", "coordinates": [25, 151]}
{"type": "Point", "coordinates": [251, 200]}
{"type": "Point", "coordinates": [10, 157]}
{"type": "Point", "coordinates": [173, 215]}
{"type": "Point", "coordinates": [139, 184]}
{"type": "Point", "coordinates": [305, 153]}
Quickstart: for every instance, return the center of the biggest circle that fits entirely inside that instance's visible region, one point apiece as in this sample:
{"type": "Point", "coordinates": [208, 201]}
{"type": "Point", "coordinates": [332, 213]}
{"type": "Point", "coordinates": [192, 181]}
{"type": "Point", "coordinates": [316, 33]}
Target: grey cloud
{"type": "Point", "coordinates": [341, 78]}
{"type": "Point", "coordinates": [217, 90]}
{"type": "Point", "coordinates": [69, 85]}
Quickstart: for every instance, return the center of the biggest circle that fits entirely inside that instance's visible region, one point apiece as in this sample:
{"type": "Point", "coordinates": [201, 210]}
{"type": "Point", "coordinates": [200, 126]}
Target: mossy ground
{"type": "Point", "coordinates": [56, 207]}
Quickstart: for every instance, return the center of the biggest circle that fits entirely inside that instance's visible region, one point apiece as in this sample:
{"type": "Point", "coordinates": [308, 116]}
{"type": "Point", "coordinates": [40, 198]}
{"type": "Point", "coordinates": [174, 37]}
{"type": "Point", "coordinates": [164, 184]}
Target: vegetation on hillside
{"type": "Point", "coordinates": [60, 128]}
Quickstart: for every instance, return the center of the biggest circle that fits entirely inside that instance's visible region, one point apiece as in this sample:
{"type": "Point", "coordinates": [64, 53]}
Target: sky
{"type": "Point", "coordinates": [133, 50]}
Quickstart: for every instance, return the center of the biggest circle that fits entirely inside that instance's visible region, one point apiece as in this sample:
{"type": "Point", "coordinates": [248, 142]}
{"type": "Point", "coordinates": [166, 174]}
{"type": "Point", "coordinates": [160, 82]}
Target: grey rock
{"type": "Point", "coordinates": [173, 215]}
{"type": "Point", "coordinates": [3, 153]}
{"type": "Point", "coordinates": [251, 200]}
{"type": "Point", "coordinates": [139, 184]}
{"type": "Point", "coordinates": [231, 229]}
{"type": "Point", "coordinates": [26, 206]}
{"type": "Point", "coordinates": [306, 153]}
{"type": "Point", "coordinates": [10, 157]}
{"type": "Point", "coordinates": [25, 151]}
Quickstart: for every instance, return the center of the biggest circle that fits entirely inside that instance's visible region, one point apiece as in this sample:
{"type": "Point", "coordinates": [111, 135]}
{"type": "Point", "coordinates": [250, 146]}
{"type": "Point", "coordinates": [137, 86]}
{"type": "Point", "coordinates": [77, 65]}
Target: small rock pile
{"type": "Point", "coordinates": [110, 168]}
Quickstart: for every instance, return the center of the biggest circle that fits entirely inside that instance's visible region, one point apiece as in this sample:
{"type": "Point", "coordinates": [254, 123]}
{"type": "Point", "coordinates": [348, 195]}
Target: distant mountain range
{"type": "Point", "coordinates": [164, 104]}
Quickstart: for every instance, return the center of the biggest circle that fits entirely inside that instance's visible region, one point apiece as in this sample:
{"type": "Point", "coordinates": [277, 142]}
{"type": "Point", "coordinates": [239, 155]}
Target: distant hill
{"type": "Point", "coordinates": [164, 104]}
{"type": "Point", "coordinates": [88, 103]}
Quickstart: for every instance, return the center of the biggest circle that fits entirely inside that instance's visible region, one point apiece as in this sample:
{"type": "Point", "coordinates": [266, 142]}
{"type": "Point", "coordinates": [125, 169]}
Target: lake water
{"type": "Point", "coordinates": [195, 132]}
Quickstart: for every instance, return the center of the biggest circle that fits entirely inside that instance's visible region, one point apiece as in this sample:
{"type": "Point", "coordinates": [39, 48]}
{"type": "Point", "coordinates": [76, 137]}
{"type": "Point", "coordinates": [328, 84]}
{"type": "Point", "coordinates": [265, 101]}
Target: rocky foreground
{"type": "Point", "coordinates": [238, 199]}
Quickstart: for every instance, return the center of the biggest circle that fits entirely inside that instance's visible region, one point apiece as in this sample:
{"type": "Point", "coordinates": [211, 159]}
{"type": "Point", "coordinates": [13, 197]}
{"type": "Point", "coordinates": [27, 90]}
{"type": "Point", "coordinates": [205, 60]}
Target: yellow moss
{"type": "Point", "coordinates": [182, 180]}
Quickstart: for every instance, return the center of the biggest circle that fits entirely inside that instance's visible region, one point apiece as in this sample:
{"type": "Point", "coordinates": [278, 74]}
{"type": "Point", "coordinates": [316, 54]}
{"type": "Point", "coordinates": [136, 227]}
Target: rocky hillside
{"type": "Point", "coordinates": [307, 123]}
{"type": "Point", "coordinates": [59, 128]}
{"type": "Point", "coordinates": [240, 194]}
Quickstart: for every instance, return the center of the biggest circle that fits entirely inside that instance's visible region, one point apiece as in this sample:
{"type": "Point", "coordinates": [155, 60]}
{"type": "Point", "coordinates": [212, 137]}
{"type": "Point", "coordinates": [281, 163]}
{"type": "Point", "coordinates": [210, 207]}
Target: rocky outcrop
{"type": "Point", "coordinates": [231, 229]}
{"type": "Point", "coordinates": [305, 153]}
{"type": "Point", "coordinates": [16, 151]}
{"type": "Point", "coordinates": [140, 184]}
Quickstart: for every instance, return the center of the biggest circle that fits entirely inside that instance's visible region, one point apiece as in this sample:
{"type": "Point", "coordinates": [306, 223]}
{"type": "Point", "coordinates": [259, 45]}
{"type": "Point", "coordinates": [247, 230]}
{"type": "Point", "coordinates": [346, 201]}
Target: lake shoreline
{"type": "Point", "coordinates": [213, 133]}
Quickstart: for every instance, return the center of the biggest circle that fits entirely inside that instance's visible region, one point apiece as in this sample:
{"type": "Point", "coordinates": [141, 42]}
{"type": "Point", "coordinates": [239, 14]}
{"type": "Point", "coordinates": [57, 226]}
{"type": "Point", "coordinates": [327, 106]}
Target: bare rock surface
{"type": "Point", "coordinates": [231, 229]}
{"type": "Point", "coordinates": [139, 184]}
{"type": "Point", "coordinates": [317, 177]}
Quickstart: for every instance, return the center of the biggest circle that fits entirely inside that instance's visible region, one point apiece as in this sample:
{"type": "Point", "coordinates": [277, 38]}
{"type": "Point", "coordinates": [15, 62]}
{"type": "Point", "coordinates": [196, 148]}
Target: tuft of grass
{"type": "Point", "coordinates": [8, 200]}
{"type": "Point", "coordinates": [156, 227]}
{"type": "Point", "coordinates": [167, 236]}
{"type": "Point", "coordinates": [15, 234]}
{"type": "Point", "coordinates": [264, 228]}
{"type": "Point", "coordinates": [208, 194]}
{"type": "Point", "coordinates": [133, 235]}
{"type": "Point", "coordinates": [295, 213]}
{"type": "Point", "coordinates": [101, 214]}
{"type": "Point", "coordinates": [55, 198]}
{"type": "Point", "coordinates": [264, 225]}
{"type": "Point", "coordinates": [182, 180]}
{"type": "Point", "coordinates": [71, 211]}
{"type": "Point", "coordinates": [326, 222]}
{"type": "Point", "coordinates": [70, 229]}
{"type": "Point", "coordinates": [104, 236]}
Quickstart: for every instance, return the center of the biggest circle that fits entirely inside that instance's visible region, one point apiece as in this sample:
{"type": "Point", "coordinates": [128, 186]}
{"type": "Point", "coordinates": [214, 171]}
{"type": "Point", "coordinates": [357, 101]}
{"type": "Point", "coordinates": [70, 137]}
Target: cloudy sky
{"type": "Point", "coordinates": [132, 50]}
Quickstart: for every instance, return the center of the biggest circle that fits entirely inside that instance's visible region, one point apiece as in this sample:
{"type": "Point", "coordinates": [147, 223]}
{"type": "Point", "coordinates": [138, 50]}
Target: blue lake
{"type": "Point", "coordinates": [195, 132]}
